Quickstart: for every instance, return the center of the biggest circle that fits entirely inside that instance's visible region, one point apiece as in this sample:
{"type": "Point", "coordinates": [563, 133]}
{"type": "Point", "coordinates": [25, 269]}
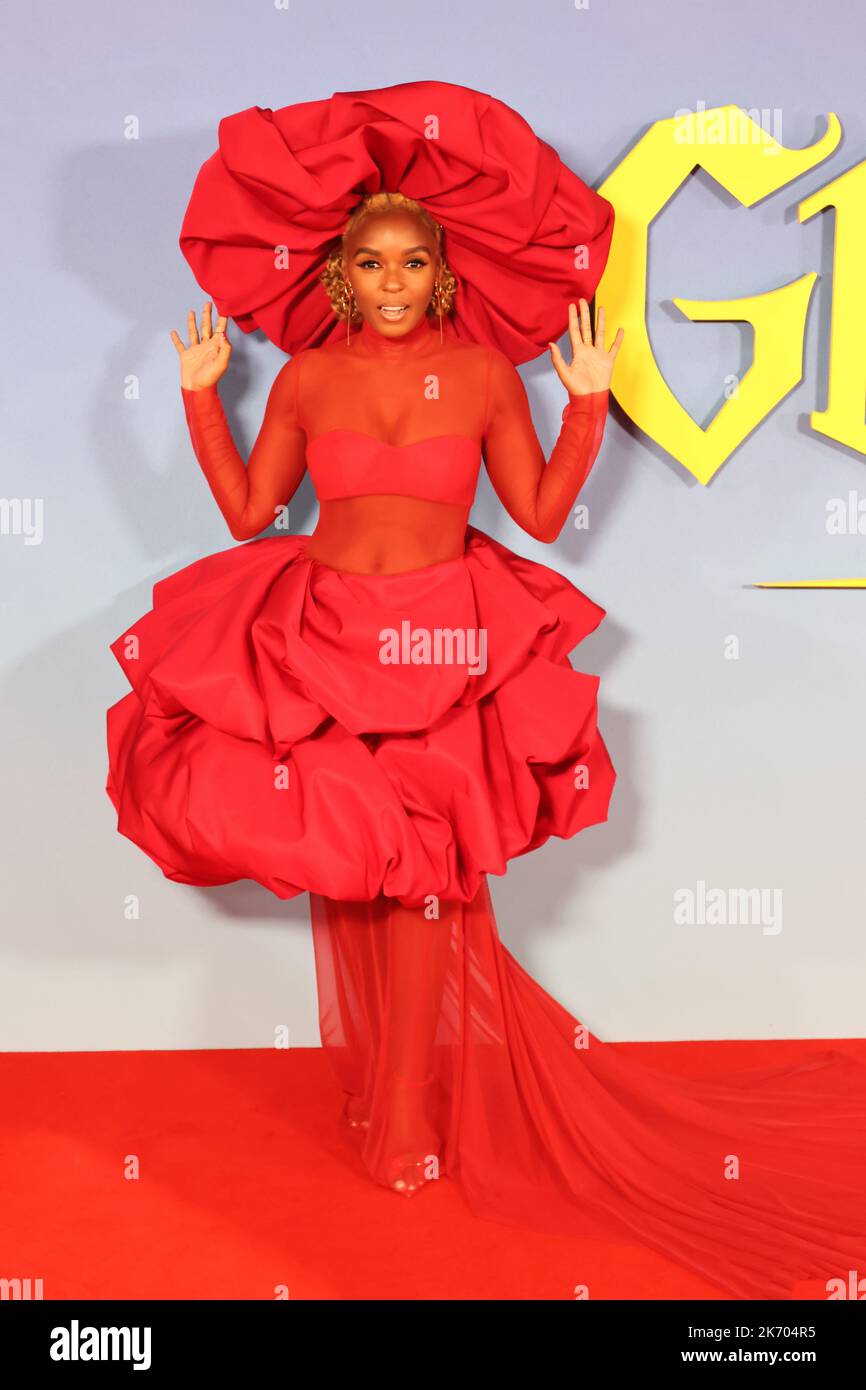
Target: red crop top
{"type": "Point", "coordinates": [393, 431]}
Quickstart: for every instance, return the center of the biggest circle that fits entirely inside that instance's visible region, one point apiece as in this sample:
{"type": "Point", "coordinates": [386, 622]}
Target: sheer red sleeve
{"type": "Point", "coordinates": [538, 496]}
{"type": "Point", "coordinates": [250, 496]}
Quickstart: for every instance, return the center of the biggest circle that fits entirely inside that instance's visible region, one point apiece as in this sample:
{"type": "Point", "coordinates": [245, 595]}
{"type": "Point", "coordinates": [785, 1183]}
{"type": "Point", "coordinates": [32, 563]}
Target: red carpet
{"type": "Point", "coordinates": [246, 1183]}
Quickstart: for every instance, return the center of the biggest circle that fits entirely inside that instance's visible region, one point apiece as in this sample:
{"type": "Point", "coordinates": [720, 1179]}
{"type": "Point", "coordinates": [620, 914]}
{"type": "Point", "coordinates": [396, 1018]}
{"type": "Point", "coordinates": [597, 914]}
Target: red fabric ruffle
{"type": "Point", "coordinates": [263, 737]}
{"type": "Point", "coordinates": [524, 235]}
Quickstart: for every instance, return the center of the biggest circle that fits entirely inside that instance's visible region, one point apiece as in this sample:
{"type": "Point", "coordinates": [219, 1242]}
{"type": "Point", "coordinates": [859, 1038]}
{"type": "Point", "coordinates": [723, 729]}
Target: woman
{"type": "Point", "coordinates": [392, 422]}
{"type": "Point", "coordinates": [388, 510]}
{"type": "Point", "coordinates": [384, 713]}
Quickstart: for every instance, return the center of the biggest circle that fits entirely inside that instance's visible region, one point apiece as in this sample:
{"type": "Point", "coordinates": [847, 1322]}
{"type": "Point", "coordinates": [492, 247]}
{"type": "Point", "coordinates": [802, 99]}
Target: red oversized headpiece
{"type": "Point", "coordinates": [523, 234]}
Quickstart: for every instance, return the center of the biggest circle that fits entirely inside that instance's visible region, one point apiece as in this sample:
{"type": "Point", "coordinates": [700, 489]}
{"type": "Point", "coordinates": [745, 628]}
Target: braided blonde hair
{"type": "Point", "coordinates": [332, 276]}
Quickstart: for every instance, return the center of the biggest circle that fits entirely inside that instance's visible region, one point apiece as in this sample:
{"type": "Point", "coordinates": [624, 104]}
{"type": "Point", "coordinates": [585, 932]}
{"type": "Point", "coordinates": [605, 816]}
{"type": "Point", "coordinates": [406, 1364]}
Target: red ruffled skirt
{"type": "Point", "coordinates": [265, 736]}
{"type": "Point", "coordinates": [316, 731]}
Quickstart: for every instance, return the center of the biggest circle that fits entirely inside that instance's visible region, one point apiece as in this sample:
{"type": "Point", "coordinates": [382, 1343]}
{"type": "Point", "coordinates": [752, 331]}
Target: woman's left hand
{"type": "Point", "coordinates": [591, 365]}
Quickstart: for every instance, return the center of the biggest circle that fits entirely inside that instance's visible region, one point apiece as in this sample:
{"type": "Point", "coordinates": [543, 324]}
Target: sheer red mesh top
{"type": "Point", "coordinates": [393, 431]}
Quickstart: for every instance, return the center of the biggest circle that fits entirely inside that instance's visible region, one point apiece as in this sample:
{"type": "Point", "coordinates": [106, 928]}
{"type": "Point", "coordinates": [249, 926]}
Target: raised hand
{"type": "Point", "coordinates": [591, 365]}
{"type": "Point", "coordinates": [204, 360]}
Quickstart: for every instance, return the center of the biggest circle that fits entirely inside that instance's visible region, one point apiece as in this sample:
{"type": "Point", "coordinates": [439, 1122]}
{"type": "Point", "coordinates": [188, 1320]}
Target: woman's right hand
{"type": "Point", "coordinates": [204, 360]}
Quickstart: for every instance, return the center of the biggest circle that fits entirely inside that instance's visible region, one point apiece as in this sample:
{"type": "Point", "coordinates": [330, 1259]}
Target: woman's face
{"type": "Point", "coordinates": [390, 260]}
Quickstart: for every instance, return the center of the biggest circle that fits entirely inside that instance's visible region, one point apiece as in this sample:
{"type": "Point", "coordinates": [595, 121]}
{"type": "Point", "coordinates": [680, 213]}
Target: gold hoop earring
{"type": "Point", "coordinates": [347, 306]}
{"type": "Point", "coordinates": [437, 294]}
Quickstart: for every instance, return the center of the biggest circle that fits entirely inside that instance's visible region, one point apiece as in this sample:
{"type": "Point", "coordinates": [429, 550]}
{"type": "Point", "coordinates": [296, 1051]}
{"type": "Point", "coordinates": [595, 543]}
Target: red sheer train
{"type": "Point", "coordinates": [482, 1076]}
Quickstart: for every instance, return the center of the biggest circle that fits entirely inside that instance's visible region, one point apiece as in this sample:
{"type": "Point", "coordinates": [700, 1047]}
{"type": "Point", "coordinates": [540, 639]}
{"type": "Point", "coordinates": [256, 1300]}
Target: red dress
{"type": "Point", "coordinates": [383, 714]}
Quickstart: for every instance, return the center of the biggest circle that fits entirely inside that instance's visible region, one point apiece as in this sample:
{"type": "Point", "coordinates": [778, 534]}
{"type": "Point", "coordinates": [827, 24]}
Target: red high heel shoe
{"type": "Point", "coordinates": [418, 1145]}
{"type": "Point", "coordinates": [409, 1173]}
{"type": "Point", "coordinates": [355, 1113]}
{"type": "Point", "coordinates": [406, 1173]}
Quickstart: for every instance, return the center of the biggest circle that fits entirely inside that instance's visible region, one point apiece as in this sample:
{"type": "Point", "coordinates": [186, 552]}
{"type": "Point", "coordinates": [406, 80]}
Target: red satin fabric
{"type": "Point", "coordinates": [523, 233]}
{"type": "Point", "coordinates": [259, 666]}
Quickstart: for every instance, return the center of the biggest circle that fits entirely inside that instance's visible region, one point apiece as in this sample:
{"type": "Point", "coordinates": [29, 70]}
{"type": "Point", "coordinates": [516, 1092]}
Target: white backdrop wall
{"type": "Point", "coordinates": [738, 774]}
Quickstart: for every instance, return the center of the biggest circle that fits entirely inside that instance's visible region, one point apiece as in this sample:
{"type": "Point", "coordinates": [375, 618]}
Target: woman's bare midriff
{"type": "Point", "coordinates": [387, 534]}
